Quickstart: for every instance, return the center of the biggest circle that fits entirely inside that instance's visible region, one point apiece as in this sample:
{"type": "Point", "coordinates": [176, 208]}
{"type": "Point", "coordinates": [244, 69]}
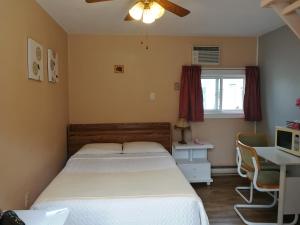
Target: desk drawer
{"type": "Point", "coordinates": [196, 172]}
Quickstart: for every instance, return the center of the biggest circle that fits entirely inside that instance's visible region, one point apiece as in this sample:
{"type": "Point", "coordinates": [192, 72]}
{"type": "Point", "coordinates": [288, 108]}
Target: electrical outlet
{"type": "Point", "coordinates": [152, 96]}
{"type": "Point", "coordinates": [26, 200]}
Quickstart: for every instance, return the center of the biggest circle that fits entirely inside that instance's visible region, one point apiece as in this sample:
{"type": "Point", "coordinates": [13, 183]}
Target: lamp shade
{"type": "Point", "coordinates": [136, 12]}
{"type": "Point", "coordinates": [147, 11]}
{"type": "Point", "coordinates": [157, 10]}
{"type": "Point", "coordinates": [298, 102]}
{"type": "Point", "coordinates": [182, 123]}
{"type": "Point", "coordinates": [148, 15]}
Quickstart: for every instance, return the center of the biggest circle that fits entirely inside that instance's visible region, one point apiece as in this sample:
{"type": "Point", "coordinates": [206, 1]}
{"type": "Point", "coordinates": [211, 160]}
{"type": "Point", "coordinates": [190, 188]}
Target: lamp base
{"type": "Point", "coordinates": [183, 142]}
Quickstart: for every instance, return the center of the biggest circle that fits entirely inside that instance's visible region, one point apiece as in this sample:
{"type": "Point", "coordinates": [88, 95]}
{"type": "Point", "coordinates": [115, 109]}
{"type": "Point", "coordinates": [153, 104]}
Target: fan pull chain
{"type": "Point", "coordinates": [146, 40]}
{"type": "Point", "coordinates": [147, 46]}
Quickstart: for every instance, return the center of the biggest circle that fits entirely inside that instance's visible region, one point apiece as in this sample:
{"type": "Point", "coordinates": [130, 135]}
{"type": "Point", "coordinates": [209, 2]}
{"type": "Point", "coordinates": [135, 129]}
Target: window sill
{"type": "Point", "coordinates": [224, 115]}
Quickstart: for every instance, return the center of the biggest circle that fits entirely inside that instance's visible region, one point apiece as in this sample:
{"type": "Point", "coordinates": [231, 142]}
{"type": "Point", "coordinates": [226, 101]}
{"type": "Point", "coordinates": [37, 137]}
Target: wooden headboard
{"type": "Point", "coordinates": [81, 134]}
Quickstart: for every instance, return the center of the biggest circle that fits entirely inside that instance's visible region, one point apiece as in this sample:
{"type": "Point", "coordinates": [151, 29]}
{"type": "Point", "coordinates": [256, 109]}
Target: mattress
{"type": "Point", "coordinates": [123, 189]}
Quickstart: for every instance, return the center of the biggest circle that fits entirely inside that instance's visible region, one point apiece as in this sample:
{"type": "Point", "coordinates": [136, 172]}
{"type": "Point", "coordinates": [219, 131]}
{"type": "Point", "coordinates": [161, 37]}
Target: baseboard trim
{"type": "Point", "coordinates": [223, 170]}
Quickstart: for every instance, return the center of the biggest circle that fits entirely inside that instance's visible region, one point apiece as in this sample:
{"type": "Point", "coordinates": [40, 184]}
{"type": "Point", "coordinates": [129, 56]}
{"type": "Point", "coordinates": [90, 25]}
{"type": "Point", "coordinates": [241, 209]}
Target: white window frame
{"type": "Point", "coordinates": [220, 74]}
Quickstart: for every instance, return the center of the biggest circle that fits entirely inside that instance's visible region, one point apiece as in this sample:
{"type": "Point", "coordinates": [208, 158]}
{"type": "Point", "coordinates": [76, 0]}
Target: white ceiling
{"type": "Point", "coordinates": [207, 18]}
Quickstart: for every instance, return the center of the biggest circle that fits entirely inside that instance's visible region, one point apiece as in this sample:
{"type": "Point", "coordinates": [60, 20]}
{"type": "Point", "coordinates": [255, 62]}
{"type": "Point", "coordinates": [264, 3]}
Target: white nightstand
{"type": "Point", "coordinates": [192, 160]}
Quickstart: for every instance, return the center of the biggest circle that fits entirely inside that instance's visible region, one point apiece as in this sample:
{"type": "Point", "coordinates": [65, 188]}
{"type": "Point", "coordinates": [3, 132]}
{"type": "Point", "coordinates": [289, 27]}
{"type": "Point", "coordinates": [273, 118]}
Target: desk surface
{"type": "Point", "coordinates": [192, 145]}
{"type": "Point", "coordinates": [277, 156]}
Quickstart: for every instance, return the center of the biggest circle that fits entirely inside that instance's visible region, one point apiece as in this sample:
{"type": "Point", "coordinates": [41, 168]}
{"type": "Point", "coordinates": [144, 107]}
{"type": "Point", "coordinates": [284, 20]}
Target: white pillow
{"type": "Point", "coordinates": [142, 146]}
{"type": "Point", "coordinates": [101, 148]}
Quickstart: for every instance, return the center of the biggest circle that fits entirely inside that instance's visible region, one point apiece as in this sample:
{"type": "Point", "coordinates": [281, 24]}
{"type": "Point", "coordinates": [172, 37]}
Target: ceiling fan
{"type": "Point", "coordinates": [150, 10]}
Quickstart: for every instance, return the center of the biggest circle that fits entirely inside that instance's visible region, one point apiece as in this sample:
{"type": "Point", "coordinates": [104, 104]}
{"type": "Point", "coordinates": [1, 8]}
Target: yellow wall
{"type": "Point", "coordinates": [33, 114]}
{"type": "Point", "coordinates": [97, 94]}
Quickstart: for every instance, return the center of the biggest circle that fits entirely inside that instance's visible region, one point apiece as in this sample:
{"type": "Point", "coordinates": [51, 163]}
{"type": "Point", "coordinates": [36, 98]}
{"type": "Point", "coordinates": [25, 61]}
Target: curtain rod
{"type": "Point", "coordinates": [210, 68]}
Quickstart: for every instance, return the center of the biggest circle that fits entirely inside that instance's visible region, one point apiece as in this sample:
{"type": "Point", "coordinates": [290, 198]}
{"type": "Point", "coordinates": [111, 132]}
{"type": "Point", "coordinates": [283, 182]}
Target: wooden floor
{"type": "Point", "coordinates": [219, 198]}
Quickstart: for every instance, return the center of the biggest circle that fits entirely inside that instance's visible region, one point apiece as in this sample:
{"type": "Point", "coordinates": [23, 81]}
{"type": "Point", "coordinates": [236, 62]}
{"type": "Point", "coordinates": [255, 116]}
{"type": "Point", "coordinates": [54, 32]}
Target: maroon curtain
{"type": "Point", "coordinates": [252, 105]}
{"type": "Point", "coordinates": [191, 100]}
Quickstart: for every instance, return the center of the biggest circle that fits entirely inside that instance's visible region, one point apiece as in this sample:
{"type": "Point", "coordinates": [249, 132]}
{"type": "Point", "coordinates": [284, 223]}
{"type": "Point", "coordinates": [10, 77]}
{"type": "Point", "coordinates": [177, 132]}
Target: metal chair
{"type": "Point", "coordinates": [262, 180]}
{"type": "Point", "coordinates": [253, 140]}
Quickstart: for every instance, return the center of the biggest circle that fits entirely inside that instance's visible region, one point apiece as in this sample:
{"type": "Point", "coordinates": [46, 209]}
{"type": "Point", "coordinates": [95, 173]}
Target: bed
{"type": "Point", "coordinates": [137, 183]}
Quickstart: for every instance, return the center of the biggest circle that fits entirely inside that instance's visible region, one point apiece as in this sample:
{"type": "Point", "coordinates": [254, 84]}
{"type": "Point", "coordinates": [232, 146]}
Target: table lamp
{"type": "Point", "coordinates": [182, 124]}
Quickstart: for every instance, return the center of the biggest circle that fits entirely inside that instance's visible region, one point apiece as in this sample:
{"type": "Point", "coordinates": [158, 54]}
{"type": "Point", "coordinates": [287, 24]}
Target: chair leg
{"type": "Point", "coordinates": [296, 216]}
{"type": "Point", "coordinates": [250, 188]}
{"type": "Point", "coordinates": [249, 206]}
{"type": "Point", "coordinates": [244, 206]}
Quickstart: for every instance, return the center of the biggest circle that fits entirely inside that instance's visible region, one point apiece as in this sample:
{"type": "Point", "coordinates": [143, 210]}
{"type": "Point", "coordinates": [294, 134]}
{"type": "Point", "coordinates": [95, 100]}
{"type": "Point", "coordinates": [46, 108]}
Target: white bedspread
{"type": "Point", "coordinates": [120, 162]}
{"type": "Point", "coordinates": [124, 189]}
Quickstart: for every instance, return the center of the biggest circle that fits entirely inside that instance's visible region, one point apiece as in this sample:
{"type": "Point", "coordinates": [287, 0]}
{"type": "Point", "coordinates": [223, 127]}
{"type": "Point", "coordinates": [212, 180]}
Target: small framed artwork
{"type": "Point", "coordinates": [35, 60]}
{"type": "Point", "coordinates": [119, 68]}
{"type": "Point", "coordinates": [52, 66]}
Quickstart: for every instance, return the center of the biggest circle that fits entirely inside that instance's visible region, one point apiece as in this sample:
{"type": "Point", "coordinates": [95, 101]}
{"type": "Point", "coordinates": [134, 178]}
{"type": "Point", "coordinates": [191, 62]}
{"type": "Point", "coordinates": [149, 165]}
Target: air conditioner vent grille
{"type": "Point", "coordinates": [206, 55]}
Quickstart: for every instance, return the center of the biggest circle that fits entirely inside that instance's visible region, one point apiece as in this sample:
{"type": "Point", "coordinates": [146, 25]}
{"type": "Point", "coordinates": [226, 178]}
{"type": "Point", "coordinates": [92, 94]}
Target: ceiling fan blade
{"type": "Point", "coordinates": [128, 18]}
{"type": "Point", "coordinates": [172, 7]}
{"type": "Point", "coordinates": [93, 1]}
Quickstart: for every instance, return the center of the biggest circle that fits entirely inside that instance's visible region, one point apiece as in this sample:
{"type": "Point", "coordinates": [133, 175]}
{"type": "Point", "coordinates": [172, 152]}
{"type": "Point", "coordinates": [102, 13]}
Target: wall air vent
{"type": "Point", "coordinates": [206, 55]}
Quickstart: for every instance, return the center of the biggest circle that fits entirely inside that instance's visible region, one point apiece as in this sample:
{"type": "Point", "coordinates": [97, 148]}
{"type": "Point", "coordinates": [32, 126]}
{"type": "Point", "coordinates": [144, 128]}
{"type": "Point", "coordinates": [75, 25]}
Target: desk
{"type": "Point", "coordinates": [289, 186]}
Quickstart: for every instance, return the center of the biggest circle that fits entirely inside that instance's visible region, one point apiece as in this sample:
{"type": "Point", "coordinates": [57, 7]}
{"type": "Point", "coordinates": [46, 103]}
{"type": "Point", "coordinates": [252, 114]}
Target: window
{"type": "Point", "coordinates": [223, 92]}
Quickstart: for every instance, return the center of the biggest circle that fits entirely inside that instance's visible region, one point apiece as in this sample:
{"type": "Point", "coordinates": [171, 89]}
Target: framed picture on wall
{"type": "Point", "coordinates": [52, 66]}
{"type": "Point", "coordinates": [118, 68]}
{"type": "Point", "coordinates": [35, 60]}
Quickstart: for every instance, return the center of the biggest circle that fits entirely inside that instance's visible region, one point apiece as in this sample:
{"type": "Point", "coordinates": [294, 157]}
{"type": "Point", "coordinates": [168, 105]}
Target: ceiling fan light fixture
{"type": "Point", "coordinates": [157, 10]}
{"type": "Point", "coordinates": [148, 16]}
{"type": "Point", "coordinates": [136, 12]}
